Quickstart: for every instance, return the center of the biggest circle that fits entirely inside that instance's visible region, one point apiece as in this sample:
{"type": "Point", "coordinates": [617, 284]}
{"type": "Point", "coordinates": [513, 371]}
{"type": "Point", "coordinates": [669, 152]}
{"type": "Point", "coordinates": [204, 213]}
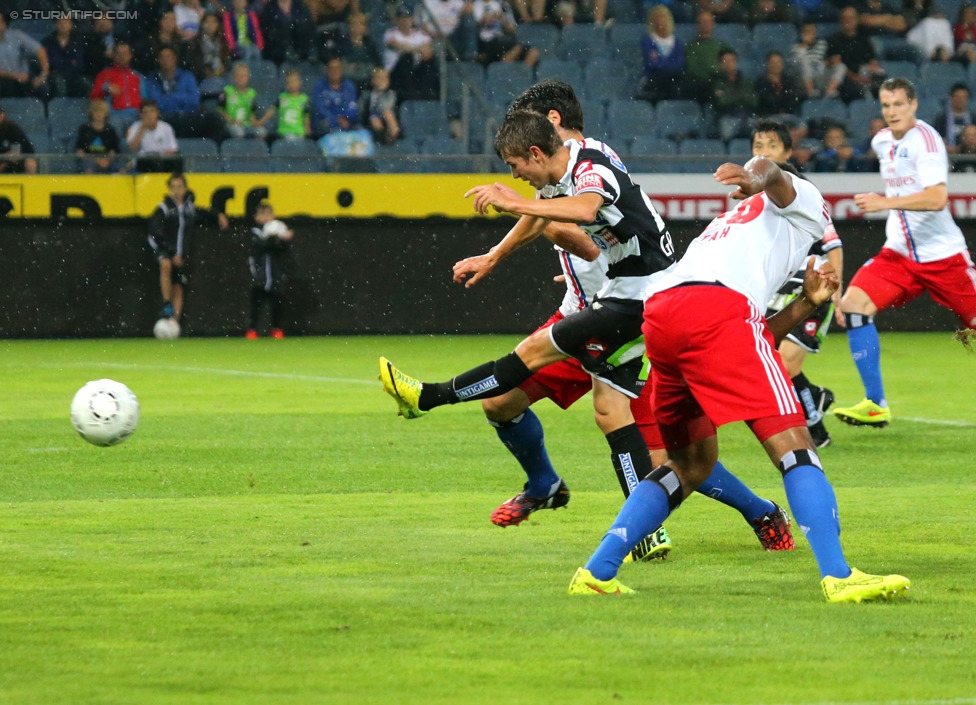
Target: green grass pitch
{"type": "Point", "coordinates": [273, 533]}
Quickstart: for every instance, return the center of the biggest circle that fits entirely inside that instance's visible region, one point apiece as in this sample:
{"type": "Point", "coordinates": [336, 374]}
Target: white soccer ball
{"type": "Point", "coordinates": [105, 412]}
{"type": "Point", "coordinates": [273, 228]}
{"type": "Point", "coordinates": [166, 329]}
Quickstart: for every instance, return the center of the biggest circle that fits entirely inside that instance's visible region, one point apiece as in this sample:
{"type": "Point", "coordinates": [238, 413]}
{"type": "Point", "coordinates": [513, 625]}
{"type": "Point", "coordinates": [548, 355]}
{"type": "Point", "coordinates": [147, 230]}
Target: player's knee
{"type": "Point", "coordinates": [798, 458]}
{"type": "Point", "coordinates": [502, 409]}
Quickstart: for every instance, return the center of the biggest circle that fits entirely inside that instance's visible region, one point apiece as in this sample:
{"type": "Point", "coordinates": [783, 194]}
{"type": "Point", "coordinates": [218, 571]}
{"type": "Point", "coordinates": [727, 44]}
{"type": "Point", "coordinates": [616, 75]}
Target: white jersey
{"type": "Point", "coordinates": [910, 165]}
{"type": "Point", "coordinates": [755, 248]}
{"type": "Point", "coordinates": [583, 280]}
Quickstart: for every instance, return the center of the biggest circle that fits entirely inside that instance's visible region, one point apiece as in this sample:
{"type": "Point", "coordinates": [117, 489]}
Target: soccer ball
{"type": "Point", "coordinates": [166, 329]}
{"type": "Point", "coordinates": [273, 228]}
{"type": "Point", "coordinates": [105, 412]}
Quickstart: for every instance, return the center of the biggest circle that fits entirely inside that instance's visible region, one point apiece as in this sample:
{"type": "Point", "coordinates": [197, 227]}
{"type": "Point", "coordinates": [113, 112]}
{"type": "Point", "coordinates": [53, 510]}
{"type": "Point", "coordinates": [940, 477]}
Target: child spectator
{"type": "Point", "coordinates": [292, 106]}
{"type": "Point", "coordinates": [270, 241]}
{"type": "Point", "coordinates": [383, 121]}
{"type": "Point", "coordinates": [152, 140]}
{"type": "Point", "coordinates": [13, 145]}
{"type": "Point", "coordinates": [334, 102]}
{"type": "Point", "coordinates": [242, 31]}
{"type": "Point", "coordinates": [209, 53]}
{"type": "Point", "coordinates": [237, 106]}
{"type": "Point", "coordinates": [97, 142]}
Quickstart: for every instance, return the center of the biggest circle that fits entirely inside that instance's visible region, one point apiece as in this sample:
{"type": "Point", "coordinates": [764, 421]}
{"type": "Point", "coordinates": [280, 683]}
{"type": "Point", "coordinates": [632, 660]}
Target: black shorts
{"type": "Point", "coordinates": [811, 331]}
{"type": "Point", "coordinates": [178, 275]}
{"type": "Point", "coordinates": [606, 338]}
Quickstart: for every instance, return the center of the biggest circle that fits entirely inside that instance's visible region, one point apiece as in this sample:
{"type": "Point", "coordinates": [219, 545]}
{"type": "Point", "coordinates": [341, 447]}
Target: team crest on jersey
{"type": "Point", "coordinates": [810, 328]}
{"type": "Point", "coordinates": [548, 191]}
{"type": "Point", "coordinates": [903, 153]}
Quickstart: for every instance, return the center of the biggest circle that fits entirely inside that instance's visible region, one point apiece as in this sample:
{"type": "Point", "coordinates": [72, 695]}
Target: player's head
{"type": "Point", "coordinates": [772, 139]}
{"type": "Point", "coordinates": [550, 96]}
{"type": "Point", "coordinates": [264, 213]}
{"type": "Point", "coordinates": [176, 183]}
{"type": "Point", "coordinates": [899, 101]}
{"type": "Point", "coordinates": [525, 142]}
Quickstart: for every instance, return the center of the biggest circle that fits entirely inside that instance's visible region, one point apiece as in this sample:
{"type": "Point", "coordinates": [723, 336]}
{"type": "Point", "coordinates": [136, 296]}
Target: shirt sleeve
{"type": "Point", "coordinates": [809, 211]}
{"type": "Point", "coordinates": [933, 166]}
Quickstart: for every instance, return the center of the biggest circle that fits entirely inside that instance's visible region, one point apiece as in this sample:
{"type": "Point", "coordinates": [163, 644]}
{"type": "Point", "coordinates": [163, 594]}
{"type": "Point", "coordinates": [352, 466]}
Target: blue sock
{"type": "Point", "coordinates": [730, 490]}
{"type": "Point", "coordinates": [643, 512]}
{"type": "Point", "coordinates": [814, 507]}
{"type": "Point", "coordinates": [524, 439]}
{"type": "Point", "coordinates": [862, 337]}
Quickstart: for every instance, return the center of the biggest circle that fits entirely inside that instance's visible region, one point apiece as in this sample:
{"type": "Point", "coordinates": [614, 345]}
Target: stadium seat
{"type": "Point", "coordinates": [544, 37]}
{"type": "Point", "coordinates": [736, 35]}
{"type": "Point", "coordinates": [678, 118]}
{"type": "Point", "coordinates": [740, 149]}
{"type": "Point", "coordinates": [461, 75]}
{"type": "Point", "coordinates": [439, 145]}
{"type": "Point", "coordinates": [831, 109]}
{"type": "Point", "coordinates": [771, 36]}
{"type": "Point", "coordinates": [72, 107]}
{"type": "Point", "coordinates": [897, 49]}
{"type": "Point", "coordinates": [929, 107]}
{"type": "Point", "coordinates": [64, 128]}
{"type": "Point", "coordinates": [245, 154]}
{"type": "Point", "coordinates": [26, 112]}
{"type": "Point", "coordinates": [629, 109]}
{"type": "Point", "coordinates": [420, 119]}
{"type": "Point", "coordinates": [40, 142]}
{"type": "Point", "coordinates": [560, 69]}
{"type": "Point", "coordinates": [296, 156]}
{"type": "Point", "coordinates": [595, 118]}
{"type": "Point", "coordinates": [608, 79]}
{"type": "Point", "coordinates": [861, 113]}
{"type": "Point", "coordinates": [702, 155]}
{"type": "Point", "coordinates": [198, 145]}
{"type": "Point", "coordinates": [651, 146]}
{"type": "Point", "coordinates": [582, 42]}
{"type": "Point", "coordinates": [901, 69]}
{"type": "Point", "coordinates": [625, 42]}
{"type": "Point", "coordinates": [935, 79]}
{"type": "Point", "coordinates": [685, 31]}
{"type": "Point", "coordinates": [506, 80]}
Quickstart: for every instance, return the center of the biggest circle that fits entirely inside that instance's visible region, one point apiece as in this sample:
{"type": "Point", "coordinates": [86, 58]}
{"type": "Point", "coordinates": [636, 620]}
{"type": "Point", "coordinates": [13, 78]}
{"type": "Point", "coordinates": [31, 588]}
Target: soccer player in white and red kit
{"type": "Point", "coordinates": [714, 361]}
{"type": "Point", "coordinates": [924, 249]}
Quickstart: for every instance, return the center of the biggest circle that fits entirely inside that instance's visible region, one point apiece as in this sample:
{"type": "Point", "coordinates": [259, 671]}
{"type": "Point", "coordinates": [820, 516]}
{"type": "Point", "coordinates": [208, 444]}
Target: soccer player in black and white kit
{"type": "Point", "coordinates": [593, 189]}
{"type": "Point", "coordinates": [170, 231]}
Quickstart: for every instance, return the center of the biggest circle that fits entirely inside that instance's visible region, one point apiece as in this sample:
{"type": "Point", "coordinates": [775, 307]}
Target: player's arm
{"type": "Point", "coordinates": [931, 198]}
{"type": "Point", "coordinates": [758, 174]}
{"type": "Point", "coordinates": [581, 208]}
{"type": "Point", "coordinates": [836, 259]}
{"type": "Point", "coordinates": [524, 231]}
{"type": "Point", "coordinates": [818, 286]}
{"type": "Point", "coordinates": [571, 238]}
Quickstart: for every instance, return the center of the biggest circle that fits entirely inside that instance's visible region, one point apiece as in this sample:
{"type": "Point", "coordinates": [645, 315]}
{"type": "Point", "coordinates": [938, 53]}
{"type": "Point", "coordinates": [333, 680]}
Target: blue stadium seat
{"type": "Point", "coordinates": [628, 109]}
{"type": "Point", "coordinates": [72, 107]}
{"type": "Point", "coordinates": [560, 69]}
{"type": "Point", "coordinates": [581, 42]}
{"type": "Point", "coordinates": [544, 37]}
{"type": "Point", "coordinates": [829, 108]}
{"type": "Point", "coordinates": [685, 31]}
{"type": "Point", "coordinates": [198, 145]}
{"type": "Point", "coordinates": [245, 154]}
{"type": "Point", "coordinates": [296, 156]}
{"type": "Point", "coordinates": [651, 146]}
{"type": "Point", "coordinates": [212, 87]}
{"type": "Point", "coordinates": [595, 117]}
{"type": "Point", "coordinates": [26, 112]}
{"type": "Point", "coordinates": [897, 49]}
{"type": "Point", "coordinates": [64, 128]}
{"type": "Point", "coordinates": [678, 118]}
{"type": "Point", "coordinates": [740, 149]}
{"type": "Point", "coordinates": [736, 35]}
{"type": "Point", "coordinates": [625, 43]}
{"type": "Point", "coordinates": [702, 155]}
{"type": "Point", "coordinates": [861, 112]}
{"type": "Point", "coordinates": [772, 36]}
{"type": "Point", "coordinates": [463, 74]}
{"type": "Point", "coordinates": [929, 107]}
{"type": "Point", "coordinates": [608, 79]}
{"type": "Point", "coordinates": [935, 79]}
{"type": "Point", "coordinates": [40, 142]}
{"type": "Point", "coordinates": [901, 69]}
{"type": "Point", "coordinates": [440, 145]}
{"type": "Point", "coordinates": [506, 80]}
{"type": "Point", "coordinates": [422, 118]}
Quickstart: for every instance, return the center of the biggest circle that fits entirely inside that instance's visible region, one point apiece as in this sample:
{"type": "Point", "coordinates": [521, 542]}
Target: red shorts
{"type": "Point", "coordinates": [890, 279]}
{"type": "Point", "coordinates": [714, 361]}
{"type": "Point", "coordinates": [566, 381]}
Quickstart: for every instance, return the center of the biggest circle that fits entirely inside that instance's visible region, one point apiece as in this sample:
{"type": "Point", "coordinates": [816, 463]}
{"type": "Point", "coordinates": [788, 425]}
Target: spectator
{"type": "Point", "coordinates": [269, 249]}
{"type": "Point", "coordinates": [208, 54]}
{"type": "Point", "coordinates": [242, 31]}
{"type": "Point", "coordinates": [97, 143]}
{"type": "Point", "coordinates": [177, 94]}
{"type": "Point", "coordinates": [152, 141]}
{"type": "Point", "coordinates": [359, 52]}
{"type": "Point", "coordinates": [66, 58]}
{"type": "Point", "coordinates": [100, 46]}
{"type": "Point", "coordinates": [580, 12]}
{"type": "Point", "coordinates": [120, 85]}
{"type": "Point", "coordinates": [381, 108]}
{"type": "Point", "coordinates": [733, 97]}
{"type": "Point", "coordinates": [19, 77]}
{"type": "Point", "coordinates": [835, 153]}
{"type": "Point", "coordinates": [804, 146]}
{"type": "Point", "coordinates": [724, 11]}
{"type": "Point", "coordinates": [964, 160]}
{"type": "Point", "coordinates": [452, 21]}
{"type": "Point", "coordinates": [865, 159]}
{"type": "Point", "coordinates": [288, 31]}
{"type": "Point", "coordinates": [530, 11]}
{"type": "Point", "coordinates": [664, 57]}
{"type": "Point", "coordinates": [877, 18]}
{"type": "Point", "coordinates": [809, 56]}
{"type": "Point", "coordinates": [701, 58]}
{"type": "Point", "coordinates": [334, 101]}
{"type": "Point", "coordinates": [237, 106]}
{"type": "Point", "coordinates": [293, 109]}
{"type": "Point", "coordinates": [964, 34]}
{"type": "Point", "coordinates": [814, 10]}
{"type": "Point", "coordinates": [851, 47]}
{"type": "Point", "coordinates": [188, 15]}
{"type": "Point", "coordinates": [778, 92]}
{"type": "Point", "coordinates": [331, 18]}
{"type": "Point", "coordinates": [952, 120]}
{"type": "Point", "coordinates": [932, 36]}
{"type": "Point", "coordinates": [496, 34]}
{"type": "Point", "coordinates": [14, 144]}
{"type": "Point", "coordinates": [166, 36]}
{"type": "Point", "coordinates": [760, 11]}
{"type": "Point", "coordinates": [409, 57]}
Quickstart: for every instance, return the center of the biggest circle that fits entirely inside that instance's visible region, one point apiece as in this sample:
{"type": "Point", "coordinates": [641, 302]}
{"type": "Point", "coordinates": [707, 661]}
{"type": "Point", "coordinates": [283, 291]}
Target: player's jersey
{"type": "Point", "coordinates": [910, 165]}
{"type": "Point", "coordinates": [754, 248]}
{"type": "Point", "coordinates": [628, 231]}
{"type": "Point", "coordinates": [583, 280]}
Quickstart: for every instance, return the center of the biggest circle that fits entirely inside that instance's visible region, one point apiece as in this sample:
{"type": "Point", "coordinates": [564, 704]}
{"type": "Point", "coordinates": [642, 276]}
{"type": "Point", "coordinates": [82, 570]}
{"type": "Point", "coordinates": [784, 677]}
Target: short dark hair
{"type": "Point", "coordinates": [893, 84]}
{"type": "Point", "coordinates": [523, 129]}
{"type": "Point", "coordinates": [174, 176]}
{"type": "Point", "coordinates": [777, 127]}
{"type": "Point", "coordinates": [148, 103]}
{"type": "Point", "coordinates": [552, 94]}
{"type": "Point", "coordinates": [959, 86]}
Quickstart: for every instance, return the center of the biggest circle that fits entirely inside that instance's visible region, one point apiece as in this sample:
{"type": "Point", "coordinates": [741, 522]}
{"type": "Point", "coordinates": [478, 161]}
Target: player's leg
{"type": "Point", "coordinates": [166, 286]}
{"type": "Point", "coordinates": [489, 379]}
{"type": "Point", "coordinates": [952, 283]}
{"type": "Point", "coordinates": [815, 400]}
{"type": "Point", "coordinates": [177, 292]}
{"type": "Point", "coordinates": [814, 505]}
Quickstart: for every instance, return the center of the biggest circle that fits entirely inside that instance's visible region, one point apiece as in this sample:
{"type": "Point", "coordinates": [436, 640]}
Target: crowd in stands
{"type": "Point", "coordinates": [298, 70]}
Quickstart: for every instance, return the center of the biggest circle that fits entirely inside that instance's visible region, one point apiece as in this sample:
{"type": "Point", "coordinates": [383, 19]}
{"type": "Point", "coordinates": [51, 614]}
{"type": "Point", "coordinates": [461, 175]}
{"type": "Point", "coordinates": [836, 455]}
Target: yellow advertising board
{"type": "Point", "coordinates": [317, 195]}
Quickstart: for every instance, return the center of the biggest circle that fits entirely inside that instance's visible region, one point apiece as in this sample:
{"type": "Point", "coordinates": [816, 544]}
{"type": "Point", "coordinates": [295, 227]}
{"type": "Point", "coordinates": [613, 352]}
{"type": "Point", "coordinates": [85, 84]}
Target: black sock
{"type": "Point", "coordinates": [804, 390]}
{"type": "Point", "coordinates": [491, 379]}
{"type": "Point", "coordinates": [630, 456]}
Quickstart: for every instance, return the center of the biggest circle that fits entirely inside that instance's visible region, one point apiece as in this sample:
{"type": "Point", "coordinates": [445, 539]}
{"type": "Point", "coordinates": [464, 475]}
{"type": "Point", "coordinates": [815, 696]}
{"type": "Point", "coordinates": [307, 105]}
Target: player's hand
{"type": "Point", "coordinates": [498, 196]}
{"type": "Point", "coordinates": [222, 221]}
{"type": "Point", "coordinates": [746, 183]}
{"type": "Point", "coordinates": [177, 261]}
{"type": "Point", "coordinates": [838, 314]}
{"type": "Point", "coordinates": [819, 284]}
{"type": "Point", "coordinates": [559, 278]}
{"type": "Point", "coordinates": [477, 267]}
{"type": "Point", "coordinates": [870, 202]}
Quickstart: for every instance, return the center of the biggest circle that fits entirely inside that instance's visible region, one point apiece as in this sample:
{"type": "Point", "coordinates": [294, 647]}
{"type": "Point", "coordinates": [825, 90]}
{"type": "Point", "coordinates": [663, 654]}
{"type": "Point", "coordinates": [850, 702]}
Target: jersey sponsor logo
{"type": "Point", "coordinates": [477, 388]}
{"type": "Point", "coordinates": [581, 168]}
{"type": "Point", "coordinates": [590, 180]}
{"type": "Point", "coordinates": [899, 181]}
